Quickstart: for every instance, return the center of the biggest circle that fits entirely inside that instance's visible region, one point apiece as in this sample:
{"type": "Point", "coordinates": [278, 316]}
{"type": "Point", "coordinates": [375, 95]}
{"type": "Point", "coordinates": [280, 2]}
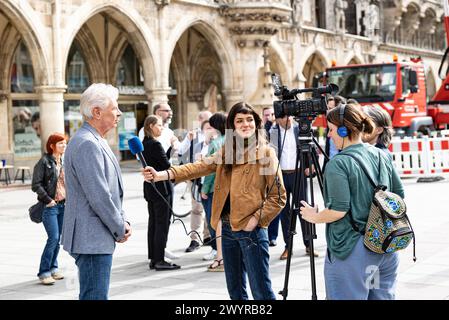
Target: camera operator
{"type": "Point", "coordinates": [348, 268]}
{"type": "Point", "coordinates": [287, 155]}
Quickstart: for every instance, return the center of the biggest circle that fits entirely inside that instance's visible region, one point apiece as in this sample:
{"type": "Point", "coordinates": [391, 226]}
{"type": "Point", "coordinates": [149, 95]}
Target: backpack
{"type": "Point", "coordinates": [388, 228]}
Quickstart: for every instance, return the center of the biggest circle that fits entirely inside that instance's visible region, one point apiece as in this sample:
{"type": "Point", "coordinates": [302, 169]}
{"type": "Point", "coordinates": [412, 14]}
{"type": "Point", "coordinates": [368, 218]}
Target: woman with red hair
{"type": "Point", "coordinates": [48, 183]}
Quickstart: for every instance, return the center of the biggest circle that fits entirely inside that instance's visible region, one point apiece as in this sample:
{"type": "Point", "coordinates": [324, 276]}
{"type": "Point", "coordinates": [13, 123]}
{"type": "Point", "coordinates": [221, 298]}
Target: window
{"type": "Point", "coordinates": [25, 110]}
{"type": "Point", "coordinates": [76, 74]}
{"type": "Point", "coordinates": [365, 84]}
{"type": "Point", "coordinates": [22, 76]}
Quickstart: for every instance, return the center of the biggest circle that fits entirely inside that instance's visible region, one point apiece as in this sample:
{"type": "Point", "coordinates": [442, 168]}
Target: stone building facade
{"type": "Point", "coordinates": [195, 54]}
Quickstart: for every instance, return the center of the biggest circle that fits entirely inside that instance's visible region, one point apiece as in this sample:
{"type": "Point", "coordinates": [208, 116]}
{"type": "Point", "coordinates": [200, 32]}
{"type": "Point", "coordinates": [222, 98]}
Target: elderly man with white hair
{"type": "Point", "coordinates": [94, 219]}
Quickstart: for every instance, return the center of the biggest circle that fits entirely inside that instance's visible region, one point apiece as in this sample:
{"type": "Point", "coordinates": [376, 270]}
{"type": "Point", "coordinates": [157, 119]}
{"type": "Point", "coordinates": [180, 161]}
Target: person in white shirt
{"type": "Point", "coordinates": [187, 154]}
{"type": "Point", "coordinates": [168, 138]}
{"type": "Point", "coordinates": [287, 158]}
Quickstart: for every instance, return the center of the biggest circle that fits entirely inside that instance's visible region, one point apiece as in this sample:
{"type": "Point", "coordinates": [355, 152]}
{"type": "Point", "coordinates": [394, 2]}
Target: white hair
{"type": "Point", "coordinates": [97, 95]}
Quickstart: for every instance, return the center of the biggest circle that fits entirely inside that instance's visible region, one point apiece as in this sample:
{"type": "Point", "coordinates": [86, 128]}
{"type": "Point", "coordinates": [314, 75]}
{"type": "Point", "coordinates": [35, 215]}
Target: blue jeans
{"type": "Point", "coordinates": [363, 275]}
{"type": "Point", "coordinates": [207, 205]}
{"type": "Point", "coordinates": [94, 271]}
{"type": "Point", "coordinates": [246, 254]}
{"type": "Point", "coordinates": [52, 218]}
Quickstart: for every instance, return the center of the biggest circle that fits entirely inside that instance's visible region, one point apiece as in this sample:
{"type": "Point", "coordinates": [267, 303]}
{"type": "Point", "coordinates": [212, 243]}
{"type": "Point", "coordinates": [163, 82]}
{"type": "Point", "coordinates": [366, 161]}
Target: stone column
{"type": "Point", "coordinates": [4, 125]}
{"type": "Point", "coordinates": [232, 97]}
{"type": "Point", "coordinates": [156, 96]}
{"type": "Point", "coordinates": [51, 103]}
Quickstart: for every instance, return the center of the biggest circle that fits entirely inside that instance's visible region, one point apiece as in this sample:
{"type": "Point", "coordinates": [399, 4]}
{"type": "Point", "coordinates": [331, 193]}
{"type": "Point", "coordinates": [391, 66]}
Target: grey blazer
{"type": "Point", "coordinates": [93, 217]}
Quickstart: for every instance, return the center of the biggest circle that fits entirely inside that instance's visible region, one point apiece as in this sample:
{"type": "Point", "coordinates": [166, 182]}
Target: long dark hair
{"type": "Point", "coordinates": [245, 108]}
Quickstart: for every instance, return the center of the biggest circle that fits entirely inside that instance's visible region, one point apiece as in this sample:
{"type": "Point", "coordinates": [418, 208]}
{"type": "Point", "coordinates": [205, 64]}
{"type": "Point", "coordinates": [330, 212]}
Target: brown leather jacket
{"type": "Point", "coordinates": [249, 183]}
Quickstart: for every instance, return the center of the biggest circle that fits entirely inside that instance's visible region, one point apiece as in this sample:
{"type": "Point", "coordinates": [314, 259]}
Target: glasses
{"type": "Point", "coordinates": [166, 110]}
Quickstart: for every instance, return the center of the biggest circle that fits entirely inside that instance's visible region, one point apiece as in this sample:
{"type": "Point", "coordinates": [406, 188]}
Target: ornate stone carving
{"type": "Point", "coordinates": [258, 24]}
{"type": "Point", "coordinates": [340, 19]}
{"type": "Point", "coordinates": [161, 3]}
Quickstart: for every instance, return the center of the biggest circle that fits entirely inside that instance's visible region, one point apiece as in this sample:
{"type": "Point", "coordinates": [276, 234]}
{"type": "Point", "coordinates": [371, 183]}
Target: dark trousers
{"type": "Point", "coordinates": [284, 216]}
{"type": "Point", "coordinates": [158, 224]}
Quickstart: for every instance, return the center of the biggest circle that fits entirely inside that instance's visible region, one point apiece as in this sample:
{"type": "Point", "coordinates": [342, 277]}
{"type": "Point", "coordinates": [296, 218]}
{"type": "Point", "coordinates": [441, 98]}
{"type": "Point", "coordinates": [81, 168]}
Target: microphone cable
{"type": "Point", "coordinates": [252, 243]}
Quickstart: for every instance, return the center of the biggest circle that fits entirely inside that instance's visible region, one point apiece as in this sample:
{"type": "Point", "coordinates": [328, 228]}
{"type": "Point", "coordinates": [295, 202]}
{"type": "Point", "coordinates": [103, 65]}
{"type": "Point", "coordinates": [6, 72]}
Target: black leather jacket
{"type": "Point", "coordinates": [45, 178]}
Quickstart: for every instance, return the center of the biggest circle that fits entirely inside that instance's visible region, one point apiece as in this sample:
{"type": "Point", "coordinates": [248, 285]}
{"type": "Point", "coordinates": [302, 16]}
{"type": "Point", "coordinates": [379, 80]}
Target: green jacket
{"type": "Point", "coordinates": [209, 181]}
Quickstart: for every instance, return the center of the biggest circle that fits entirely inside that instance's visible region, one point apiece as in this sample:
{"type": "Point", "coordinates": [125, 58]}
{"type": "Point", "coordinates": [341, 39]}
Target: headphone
{"type": "Point", "coordinates": [342, 131]}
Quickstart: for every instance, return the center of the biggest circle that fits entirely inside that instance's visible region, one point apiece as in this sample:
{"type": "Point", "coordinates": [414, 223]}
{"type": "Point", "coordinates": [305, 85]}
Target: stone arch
{"type": "Point", "coordinates": [28, 30]}
{"type": "Point", "coordinates": [137, 32]}
{"type": "Point", "coordinates": [279, 63]}
{"type": "Point", "coordinates": [427, 28]}
{"type": "Point", "coordinates": [353, 59]}
{"type": "Point", "coordinates": [117, 50]}
{"type": "Point", "coordinates": [91, 54]}
{"type": "Point", "coordinates": [315, 62]}
{"type": "Point", "coordinates": [214, 38]}
{"type": "Point", "coordinates": [409, 24]}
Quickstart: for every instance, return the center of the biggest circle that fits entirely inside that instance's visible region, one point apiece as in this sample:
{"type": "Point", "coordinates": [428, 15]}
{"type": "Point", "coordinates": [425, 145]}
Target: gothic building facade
{"type": "Point", "coordinates": [195, 54]}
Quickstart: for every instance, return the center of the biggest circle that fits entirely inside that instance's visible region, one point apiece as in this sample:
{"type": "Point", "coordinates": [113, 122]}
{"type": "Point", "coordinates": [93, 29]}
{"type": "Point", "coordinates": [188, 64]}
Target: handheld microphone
{"type": "Point", "coordinates": [136, 148]}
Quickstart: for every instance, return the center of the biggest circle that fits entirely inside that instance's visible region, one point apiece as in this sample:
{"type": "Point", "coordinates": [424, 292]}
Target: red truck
{"type": "Point", "coordinates": [399, 87]}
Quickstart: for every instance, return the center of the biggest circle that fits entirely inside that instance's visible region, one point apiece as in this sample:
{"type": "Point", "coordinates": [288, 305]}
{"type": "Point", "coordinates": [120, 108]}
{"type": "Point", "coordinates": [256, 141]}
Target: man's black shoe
{"type": "Point", "coordinates": [207, 241]}
{"type": "Point", "coordinates": [164, 265]}
{"type": "Point", "coordinates": [194, 245]}
{"type": "Point", "coordinates": [152, 265]}
{"type": "Point", "coordinates": [273, 243]}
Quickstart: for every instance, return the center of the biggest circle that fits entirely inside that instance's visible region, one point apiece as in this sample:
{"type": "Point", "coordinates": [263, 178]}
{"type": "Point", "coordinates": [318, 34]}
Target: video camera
{"type": "Point", "coordinates": [290, 105]}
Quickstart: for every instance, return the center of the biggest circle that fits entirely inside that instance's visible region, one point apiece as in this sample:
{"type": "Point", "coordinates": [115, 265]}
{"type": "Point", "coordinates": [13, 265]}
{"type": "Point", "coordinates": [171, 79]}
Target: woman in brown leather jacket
{"type": "Point", "coordinates": [249, 193]}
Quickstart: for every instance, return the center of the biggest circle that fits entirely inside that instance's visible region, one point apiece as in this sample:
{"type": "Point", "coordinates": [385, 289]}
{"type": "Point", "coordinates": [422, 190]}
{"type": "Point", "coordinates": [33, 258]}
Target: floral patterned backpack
{"type": "Point", "coordinates": [388, 228]}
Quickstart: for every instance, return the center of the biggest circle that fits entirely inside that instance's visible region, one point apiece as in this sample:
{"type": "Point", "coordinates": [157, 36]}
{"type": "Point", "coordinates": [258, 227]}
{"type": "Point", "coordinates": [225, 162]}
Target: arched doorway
{"type": "Point", "coordinates": [25, 107]}
{"type": "Point", "coordinates": [103, 51]}
{"type": "Point", "coordinates": [195, 78]}
{"type": "Point", "coordinates": [77, 80]}
{"type": "Point", "coordinates": [22, 66]}
{"type": "Point", "coordinates": [314, 65]}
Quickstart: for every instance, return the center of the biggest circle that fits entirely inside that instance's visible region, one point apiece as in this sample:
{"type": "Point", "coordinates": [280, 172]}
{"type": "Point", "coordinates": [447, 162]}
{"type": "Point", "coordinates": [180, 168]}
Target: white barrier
{"type": "Point", "coordinates": [421, 157]}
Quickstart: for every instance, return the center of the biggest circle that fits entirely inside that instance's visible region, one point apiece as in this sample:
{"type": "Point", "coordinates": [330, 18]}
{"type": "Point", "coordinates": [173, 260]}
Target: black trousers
{"type": "Point", "coordinates": [158, 224]}
{"type": "Point", "coordinates": [289, 181]}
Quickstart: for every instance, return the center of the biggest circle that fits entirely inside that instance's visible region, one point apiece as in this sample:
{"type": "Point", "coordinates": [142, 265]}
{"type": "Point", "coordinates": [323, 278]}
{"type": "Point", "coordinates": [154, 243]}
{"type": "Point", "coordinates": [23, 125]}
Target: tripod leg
{"type": "Point", "coordinates": [294, 211]}
{"type": "Point", "coordinates": [312, 231]}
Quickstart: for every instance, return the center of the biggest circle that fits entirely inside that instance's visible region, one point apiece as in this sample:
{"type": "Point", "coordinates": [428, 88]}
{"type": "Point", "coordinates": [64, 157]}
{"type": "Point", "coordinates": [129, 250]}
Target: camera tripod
{"type": "Point", "coordinates": [306, 157]}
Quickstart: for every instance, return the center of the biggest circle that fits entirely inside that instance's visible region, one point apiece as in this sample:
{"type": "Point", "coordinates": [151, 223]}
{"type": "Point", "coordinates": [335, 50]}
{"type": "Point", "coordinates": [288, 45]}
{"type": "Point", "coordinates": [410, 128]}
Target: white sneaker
{"type": "Point", "coordinates": [170, 255]}
{"type": "Point", "coordinates": [210, 256]}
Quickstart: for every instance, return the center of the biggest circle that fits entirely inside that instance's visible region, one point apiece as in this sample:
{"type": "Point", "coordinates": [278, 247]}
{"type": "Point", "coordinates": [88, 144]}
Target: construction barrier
{"type": "Point", "coordinates": [425, 157]}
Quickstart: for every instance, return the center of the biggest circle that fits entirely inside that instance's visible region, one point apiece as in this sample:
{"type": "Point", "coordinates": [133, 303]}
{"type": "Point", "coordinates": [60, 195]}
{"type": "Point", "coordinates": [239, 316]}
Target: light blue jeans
{"type": "Point", "coordinates": [52, 219]}
{"type": "Point", "coordinates": [363, 275]}
{"type": "Point", "coordinates": [94, 271]}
